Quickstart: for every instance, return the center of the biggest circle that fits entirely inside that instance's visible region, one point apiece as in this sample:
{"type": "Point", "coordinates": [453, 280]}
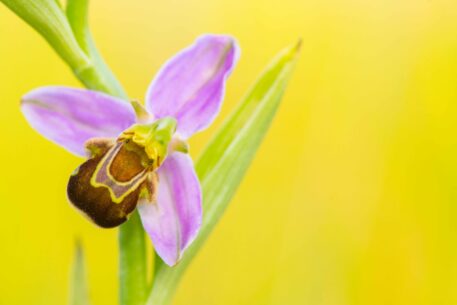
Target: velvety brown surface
{"type": "Point", "coordinates": [95, 202]}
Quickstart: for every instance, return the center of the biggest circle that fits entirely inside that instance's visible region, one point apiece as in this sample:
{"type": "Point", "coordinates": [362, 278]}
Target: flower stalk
{"type": "Point", "coordinates": [133, 284]}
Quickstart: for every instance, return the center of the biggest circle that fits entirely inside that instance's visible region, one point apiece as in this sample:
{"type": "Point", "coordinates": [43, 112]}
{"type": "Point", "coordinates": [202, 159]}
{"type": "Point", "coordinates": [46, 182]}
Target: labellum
{"type": "Point", "coordinates": [106, 188]}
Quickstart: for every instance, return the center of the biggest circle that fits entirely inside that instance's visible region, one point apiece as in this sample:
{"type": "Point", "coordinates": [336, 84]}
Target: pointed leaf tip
{"type": "Point", "coordinates": [298, 45]}
{"type": "Point", "coordinates": [79, 291]}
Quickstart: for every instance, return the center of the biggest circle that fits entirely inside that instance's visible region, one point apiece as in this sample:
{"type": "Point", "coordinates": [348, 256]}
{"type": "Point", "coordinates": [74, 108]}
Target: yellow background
{"type": "Point", "coordinates": [352, 198]}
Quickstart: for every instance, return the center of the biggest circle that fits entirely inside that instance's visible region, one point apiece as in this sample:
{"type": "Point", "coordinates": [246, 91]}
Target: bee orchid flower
{"type": "Point", "coordinates": [138, 157]}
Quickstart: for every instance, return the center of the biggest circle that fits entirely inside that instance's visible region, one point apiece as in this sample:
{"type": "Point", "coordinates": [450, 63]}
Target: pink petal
{"type": "Point", "coordinates": [69, 117]}
{"type": "Point", "coordinates": [173, 221]}
{"type": "Point", "coordinates": [190, 87]}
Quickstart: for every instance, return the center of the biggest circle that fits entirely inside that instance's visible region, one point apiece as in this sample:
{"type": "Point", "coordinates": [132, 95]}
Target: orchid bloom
{"type": "Point", "coordinates": [138, 157]}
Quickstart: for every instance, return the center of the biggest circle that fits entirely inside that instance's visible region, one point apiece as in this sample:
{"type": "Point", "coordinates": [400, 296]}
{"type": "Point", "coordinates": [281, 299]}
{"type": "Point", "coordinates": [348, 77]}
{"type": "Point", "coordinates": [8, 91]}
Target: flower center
{"type": "Point", "coordinates": [153, 138]}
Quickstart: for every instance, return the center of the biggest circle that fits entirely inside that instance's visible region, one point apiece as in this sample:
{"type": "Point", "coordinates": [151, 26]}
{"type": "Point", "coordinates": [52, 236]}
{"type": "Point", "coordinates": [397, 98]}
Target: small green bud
{"type": "Point", "coordinates": [142, 114]}
{"type": "Point", "coordinates": [180, 145]}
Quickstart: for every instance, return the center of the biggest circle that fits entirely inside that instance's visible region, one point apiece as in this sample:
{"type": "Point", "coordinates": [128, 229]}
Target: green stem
{"type": "Point", "coordinates": [132, 258]}
{"type": "Point", "coordinates": [94, 77]}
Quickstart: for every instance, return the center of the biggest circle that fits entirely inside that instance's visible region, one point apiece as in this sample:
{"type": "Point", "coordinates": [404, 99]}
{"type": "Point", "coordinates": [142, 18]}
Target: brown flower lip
{"type": "Point", "coordinates": [120, 169]}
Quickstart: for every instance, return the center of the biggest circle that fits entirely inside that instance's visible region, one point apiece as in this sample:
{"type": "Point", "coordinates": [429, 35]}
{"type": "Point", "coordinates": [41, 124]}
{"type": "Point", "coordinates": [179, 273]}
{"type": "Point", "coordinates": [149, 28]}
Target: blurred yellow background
{"type": "Point", "coordinates": [352, 198]}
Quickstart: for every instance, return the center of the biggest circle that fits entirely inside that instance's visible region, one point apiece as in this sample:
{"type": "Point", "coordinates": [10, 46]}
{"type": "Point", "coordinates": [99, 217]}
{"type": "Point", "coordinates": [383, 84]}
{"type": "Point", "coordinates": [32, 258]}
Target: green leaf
{"type": "Point", "coordinates": [70, 38]}
{"type": "Point", "coordinates": [79, 294]}
{"type": "Point", "coordinates": [48, 18]}
{"type": "Point", "coordinates": [225, 161]}
{"type": "Point", "coordinates": [132, 262]}
{"type": "Point", "coordinates": [98, 76]}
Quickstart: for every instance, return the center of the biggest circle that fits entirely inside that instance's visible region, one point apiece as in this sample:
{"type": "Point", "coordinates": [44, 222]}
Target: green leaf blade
{"type": "Point", "coordinates": [98, 76]}
{"type": "Point", "coordinates": [79, 292]}
{"type": "Point", "coordinates": [68, 34]}
{"type": "Point", "coordinates": [225, 161]}
{"type": "Point", "coordinates": [48, 18]}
